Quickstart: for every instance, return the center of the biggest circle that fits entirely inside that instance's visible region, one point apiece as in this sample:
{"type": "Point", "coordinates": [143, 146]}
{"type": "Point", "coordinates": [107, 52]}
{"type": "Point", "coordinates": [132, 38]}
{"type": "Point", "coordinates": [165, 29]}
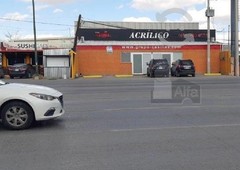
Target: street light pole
{"type": "Point", "coordinates": [209, 13]}
{"type": "Point", "coordinates": [208, 38]}
{"type": "Point", "coordinates": [234, 36]}
{"type": "Point", "coordinates": [236, 39]}
{"type": "Point", "coordinates": [229, 27]}
{"type": "Point", "coordinates": [35, 38]}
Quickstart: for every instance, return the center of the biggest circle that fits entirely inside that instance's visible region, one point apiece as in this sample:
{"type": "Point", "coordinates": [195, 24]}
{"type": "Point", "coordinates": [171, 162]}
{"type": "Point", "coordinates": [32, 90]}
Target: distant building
{"type": "Point", "coordinates": [52, 54]}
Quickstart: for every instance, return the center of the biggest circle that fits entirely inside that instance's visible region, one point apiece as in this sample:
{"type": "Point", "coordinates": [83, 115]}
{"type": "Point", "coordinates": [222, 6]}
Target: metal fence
{"type": "Point", "coordinates": [57, 72]}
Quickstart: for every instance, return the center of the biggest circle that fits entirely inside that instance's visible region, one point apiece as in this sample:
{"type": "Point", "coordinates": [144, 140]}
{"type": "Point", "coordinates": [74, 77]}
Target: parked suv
{"type": "Point", "coordinates": [158, 67]}
{"type": "Point", "coordinates": [21, 70]}
{"type": "Point", "coordinates": [183, 68]}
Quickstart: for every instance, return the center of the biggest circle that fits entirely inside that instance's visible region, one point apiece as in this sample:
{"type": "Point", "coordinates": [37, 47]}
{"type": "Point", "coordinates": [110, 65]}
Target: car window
{"type": "Point", "coordinates": [160, 62]}
{"type": "Point", "coordinates": [19, 65]}
{"type": "Point", "coordinates": [187, 62]}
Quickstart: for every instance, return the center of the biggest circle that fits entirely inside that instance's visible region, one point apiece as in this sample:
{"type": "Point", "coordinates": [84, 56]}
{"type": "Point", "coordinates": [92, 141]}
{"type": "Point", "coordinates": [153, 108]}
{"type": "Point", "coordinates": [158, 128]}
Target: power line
{"type": "Point", "coordinates": [104, 24]}
{"type": "Point", "coordinates": [28, 21]}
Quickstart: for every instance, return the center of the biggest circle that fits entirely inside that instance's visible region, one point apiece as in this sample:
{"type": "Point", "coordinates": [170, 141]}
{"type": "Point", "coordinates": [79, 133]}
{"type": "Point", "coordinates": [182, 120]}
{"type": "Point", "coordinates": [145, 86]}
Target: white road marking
{"type": "Point", "coordinates": [175, 127]}
{"type": "Point", "coordinates": [153, 108]}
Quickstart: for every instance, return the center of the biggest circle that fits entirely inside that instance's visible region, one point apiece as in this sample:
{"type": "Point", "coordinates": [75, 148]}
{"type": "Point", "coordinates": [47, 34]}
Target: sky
{"type": "Point", "coordinates": [55, 18]}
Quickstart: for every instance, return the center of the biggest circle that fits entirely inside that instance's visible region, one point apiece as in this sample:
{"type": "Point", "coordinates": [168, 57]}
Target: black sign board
{"type": "Point", "coordinates": [145, 35]}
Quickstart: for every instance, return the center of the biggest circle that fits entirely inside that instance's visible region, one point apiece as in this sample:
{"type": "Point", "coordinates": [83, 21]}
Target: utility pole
{"type": "Point", "coordinates": [35, 38]}
{"type": "Point", "coordinates": [76, 32]}
{"type": "Point", "coordinates": [209, 13]}
{"type": "Point", "coordinates": [72, 52]}
{"type": "Point", "coordinates": [229, 27]}
{"type": "Point", "coordinates": [234, 36]}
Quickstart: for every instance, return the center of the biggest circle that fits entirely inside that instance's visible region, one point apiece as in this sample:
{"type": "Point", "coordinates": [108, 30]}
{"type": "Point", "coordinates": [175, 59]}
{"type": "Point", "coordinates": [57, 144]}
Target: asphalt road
{"type": "Point", "coordinates": [112, 124]}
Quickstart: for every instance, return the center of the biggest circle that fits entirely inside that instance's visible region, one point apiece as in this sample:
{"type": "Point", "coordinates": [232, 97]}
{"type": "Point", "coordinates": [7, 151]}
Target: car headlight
{"type": "Point", "coordinates": [43, 96]}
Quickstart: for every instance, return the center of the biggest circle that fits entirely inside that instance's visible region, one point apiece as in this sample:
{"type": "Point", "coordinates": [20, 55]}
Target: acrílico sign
{"type": "Point", "coordinates": [145, 35]}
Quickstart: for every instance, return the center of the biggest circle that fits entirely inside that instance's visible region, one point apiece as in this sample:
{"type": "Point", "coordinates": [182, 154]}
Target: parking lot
{"type": "Point", "coordinates": [113, 123]}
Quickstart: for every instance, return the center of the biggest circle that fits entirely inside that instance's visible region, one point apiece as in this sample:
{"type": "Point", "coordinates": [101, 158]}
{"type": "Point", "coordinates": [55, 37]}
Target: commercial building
{"type": "Point", "coordinates": [52, 55]}
{"type": "Point", "coordinates": [116, 48]}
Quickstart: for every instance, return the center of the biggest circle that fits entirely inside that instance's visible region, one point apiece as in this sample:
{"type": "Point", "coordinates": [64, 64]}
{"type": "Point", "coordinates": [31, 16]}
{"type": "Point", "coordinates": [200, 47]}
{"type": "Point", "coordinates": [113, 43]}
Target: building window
{"type": "Point", "coordinates": [126, 58]}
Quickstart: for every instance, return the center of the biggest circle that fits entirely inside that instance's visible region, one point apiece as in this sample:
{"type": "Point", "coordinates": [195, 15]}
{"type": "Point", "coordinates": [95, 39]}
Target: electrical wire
{"type": "Point", "coordinates": [104, 24]}
{"type": "Point", "coordinates": [28, 21]}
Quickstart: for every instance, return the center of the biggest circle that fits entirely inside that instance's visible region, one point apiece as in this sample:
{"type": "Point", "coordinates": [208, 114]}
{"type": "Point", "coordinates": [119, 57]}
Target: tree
{"type": "Point", "coordinates": [12, 36]}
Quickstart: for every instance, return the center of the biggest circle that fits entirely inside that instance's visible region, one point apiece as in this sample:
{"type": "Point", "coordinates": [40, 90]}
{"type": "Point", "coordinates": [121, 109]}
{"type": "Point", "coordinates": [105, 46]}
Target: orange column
{"type": "Point", "coordinates": [225, 63]}
{"type": "Point", "coordinates": [4, 60]}
{"type": "Point", "coordinates": [28, 59]}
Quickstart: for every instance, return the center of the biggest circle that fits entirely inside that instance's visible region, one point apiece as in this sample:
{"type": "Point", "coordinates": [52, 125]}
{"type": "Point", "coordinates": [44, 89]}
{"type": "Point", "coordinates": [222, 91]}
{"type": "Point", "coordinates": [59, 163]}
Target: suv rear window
{"type": "Point", "coordinates": [186, 62]}
{"type": "Point", "coordinates": [160, 62]}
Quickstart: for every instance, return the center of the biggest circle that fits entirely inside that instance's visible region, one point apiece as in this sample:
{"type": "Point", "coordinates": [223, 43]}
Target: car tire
{"type": "Point", "coordinates": [29, 75]}
{"type": "Point", "coordinates": [178, 74]}
{"type": "Point", "coordinates": [17, 115]}
{"type": "Point", "coordinates": [151, 74]}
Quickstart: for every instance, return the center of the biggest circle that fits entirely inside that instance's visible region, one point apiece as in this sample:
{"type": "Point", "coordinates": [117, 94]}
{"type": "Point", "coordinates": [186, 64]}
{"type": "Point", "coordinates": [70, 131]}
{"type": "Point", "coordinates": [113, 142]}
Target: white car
{"type": "Point", "coordinates": [22, 104]}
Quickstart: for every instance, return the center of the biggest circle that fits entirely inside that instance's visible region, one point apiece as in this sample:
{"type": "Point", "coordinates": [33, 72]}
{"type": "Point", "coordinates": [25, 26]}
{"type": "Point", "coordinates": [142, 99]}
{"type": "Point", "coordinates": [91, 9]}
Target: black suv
{"type": "Point", "coordinates": [183, 68]}
{"type": "Point", "coordinates": [158, 67]}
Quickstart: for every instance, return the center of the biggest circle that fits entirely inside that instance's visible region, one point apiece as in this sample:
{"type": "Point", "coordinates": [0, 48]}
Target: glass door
{"type": "Point", "coordinates": [168, 57]}
{"type": "Point", "coordinates": [137, 64]}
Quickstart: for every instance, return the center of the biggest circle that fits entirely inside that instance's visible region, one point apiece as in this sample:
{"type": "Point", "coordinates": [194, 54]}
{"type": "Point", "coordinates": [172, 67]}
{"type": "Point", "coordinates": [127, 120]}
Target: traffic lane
{"type": "Point", "coordinates": [189, 147]}
{"type": "Point", "coordinates": [111, 107]}
{"type": "Point", "coordinates": [106, 100]}
{"type": "Point", "coordinates": [118, 103]}
{"type": "Point", "coordinates": [151, 117]}
{"type": "Point", "coordinates": [125, 136]}
{"type": "Point", "coordinates": [214, 90]}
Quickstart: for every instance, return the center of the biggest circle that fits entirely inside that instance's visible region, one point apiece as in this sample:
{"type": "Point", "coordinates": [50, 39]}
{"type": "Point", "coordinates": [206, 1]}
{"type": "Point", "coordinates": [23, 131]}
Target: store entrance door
{"type": "Point", "coordinates": [168, 57]}
{"type": "Point", "coordinates": [137, 64]}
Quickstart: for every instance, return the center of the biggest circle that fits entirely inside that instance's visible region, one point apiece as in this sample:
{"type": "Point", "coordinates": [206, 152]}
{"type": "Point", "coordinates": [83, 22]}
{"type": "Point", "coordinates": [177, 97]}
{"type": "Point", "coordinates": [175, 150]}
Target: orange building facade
{"type": "Point", "coordinates": [107, 52]}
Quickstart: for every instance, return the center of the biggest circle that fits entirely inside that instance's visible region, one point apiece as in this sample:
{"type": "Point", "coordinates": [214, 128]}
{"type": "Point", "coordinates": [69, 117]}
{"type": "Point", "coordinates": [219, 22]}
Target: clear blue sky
{"type": "Point", "coordinates": [56, 17]}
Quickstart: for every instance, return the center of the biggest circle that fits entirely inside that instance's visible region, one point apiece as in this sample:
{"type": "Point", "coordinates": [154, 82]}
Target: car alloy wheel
{"type": "Point", "coordinates": [17, 115]}
{"type": "Point", "coordinates": [152, 74]}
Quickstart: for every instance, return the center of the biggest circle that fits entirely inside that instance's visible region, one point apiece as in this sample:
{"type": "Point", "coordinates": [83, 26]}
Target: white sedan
{"type": "Point", "coordinates": [22, 104]}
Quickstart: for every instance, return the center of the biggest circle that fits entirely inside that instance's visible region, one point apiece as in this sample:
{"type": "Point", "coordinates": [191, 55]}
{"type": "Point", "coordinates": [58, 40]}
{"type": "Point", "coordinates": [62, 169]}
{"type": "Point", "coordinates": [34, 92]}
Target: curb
{"type": "Point", "coordinates": [93, 76]}
{"type": "Point", "coordinates": [123, 76]}
{"type": "Point", "coordinates": [212, 74]}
